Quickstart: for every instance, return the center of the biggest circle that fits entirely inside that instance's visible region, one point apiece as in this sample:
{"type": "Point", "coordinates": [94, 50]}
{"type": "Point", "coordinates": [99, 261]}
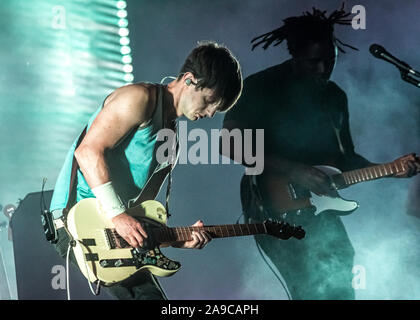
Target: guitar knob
{"type": "Point", "coordinates": [104, 263]}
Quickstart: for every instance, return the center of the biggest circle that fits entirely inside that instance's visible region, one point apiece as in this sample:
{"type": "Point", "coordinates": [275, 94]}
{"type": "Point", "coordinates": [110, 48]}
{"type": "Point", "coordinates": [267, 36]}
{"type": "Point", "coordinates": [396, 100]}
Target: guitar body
{"type": "Point", "coordinates": [96, 252]}
{"type": "Point", "coordinates": [285, 197]}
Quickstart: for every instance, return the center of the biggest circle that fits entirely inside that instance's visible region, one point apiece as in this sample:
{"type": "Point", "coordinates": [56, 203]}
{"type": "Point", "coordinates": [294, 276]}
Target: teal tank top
{"type": "Point", "coordinates": [130, 163]}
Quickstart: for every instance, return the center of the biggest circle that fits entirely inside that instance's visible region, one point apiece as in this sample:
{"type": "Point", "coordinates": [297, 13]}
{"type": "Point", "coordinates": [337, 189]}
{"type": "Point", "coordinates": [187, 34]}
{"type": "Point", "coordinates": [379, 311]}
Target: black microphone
{"type": "Point", "coordinates": [379, 52]}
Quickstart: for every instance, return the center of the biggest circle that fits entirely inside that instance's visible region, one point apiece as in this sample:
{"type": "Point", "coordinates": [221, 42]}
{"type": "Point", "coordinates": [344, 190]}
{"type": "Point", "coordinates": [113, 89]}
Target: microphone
{"type": "Point", "coordinates": [379, 52]}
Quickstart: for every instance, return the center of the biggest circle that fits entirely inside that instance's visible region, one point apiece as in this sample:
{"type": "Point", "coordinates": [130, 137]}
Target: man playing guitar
{"type": "Point", "coordinates": [118, 153]}
{"type": "Point", "coordinates": [306, 123]}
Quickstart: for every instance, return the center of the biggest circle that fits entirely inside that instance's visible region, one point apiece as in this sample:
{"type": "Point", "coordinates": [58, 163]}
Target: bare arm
{"type": "Point", "coordinates": [125, 109]}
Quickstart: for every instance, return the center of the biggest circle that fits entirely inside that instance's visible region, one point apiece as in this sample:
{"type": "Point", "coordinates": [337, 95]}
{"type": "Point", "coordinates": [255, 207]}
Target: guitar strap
{"type": "Point", "coordinates": [161, 171]}
{"type": "Point", "coordinates": [174, 154]}
{"type": "Point", "coordinates": [73, 178]}
{"type": "Point", "coordinates": [336, 128]}
{"type": "Point", "coordinates": [337, 133]}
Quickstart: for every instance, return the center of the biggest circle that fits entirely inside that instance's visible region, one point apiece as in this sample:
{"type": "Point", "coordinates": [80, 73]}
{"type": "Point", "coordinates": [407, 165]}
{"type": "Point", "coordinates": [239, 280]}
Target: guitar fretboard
{"type": "Point", "coordinates": [221, 231]}
{"type": "Point", "coordinates": [372, 173]}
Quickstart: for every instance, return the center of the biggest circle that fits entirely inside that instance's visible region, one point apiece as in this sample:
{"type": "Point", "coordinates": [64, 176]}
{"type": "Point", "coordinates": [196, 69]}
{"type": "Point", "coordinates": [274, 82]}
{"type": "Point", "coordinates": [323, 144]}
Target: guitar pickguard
{"type": "Point", "coordinates": [287, 200]}
{"type": "Point", "coordinates": [142, 259]}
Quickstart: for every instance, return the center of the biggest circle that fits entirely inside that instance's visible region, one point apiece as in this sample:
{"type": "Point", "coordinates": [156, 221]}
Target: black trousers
{"type": "Point", "coordinates": [317, 267]}
{"type": "Point", "coordinates": [140, 286]}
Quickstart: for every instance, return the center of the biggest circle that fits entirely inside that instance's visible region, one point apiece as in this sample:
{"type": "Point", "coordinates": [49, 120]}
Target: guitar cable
{"type": "Point", "coordinates": [272, 270]}
{"type": "Point", "coordinates": [44, 206]}
{"type": "Point", "coordinates": [266, 215]}
{"type": "Point", "coordinates": [265, 260]}
{"type": "Point", "coordinates": [67, 271]}
{"type": "Point", "coordinates": [72, 243]}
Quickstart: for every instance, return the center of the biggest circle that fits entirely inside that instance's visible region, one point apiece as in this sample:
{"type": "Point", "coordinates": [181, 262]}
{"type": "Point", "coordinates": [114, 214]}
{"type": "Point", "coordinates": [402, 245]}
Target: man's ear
{"type": "Point", "coordinates": [189, 79]}
{"type": "Point", "coordinates": [189, 75]}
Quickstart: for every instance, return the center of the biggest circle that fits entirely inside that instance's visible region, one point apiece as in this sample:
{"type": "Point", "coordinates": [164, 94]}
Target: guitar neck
{"type": "Point", "coordinates": [175, 234]}
{"type": "Point", "coordinates": [372, 173]}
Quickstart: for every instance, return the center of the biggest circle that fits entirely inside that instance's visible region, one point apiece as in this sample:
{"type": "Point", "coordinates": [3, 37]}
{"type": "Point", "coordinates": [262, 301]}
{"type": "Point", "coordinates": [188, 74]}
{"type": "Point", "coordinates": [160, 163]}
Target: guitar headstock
{"type": "Point", "coordinates": [283, 230]}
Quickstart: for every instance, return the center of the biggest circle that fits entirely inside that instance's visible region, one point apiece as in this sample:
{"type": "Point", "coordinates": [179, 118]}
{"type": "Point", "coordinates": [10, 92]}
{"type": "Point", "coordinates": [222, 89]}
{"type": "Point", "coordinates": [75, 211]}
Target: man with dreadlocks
{"type": "Point", "coordinates": [306, 123]}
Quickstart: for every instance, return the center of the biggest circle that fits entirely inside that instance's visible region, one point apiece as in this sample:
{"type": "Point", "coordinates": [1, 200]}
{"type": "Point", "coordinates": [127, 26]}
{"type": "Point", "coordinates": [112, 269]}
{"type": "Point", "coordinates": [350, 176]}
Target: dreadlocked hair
{"type": "Point", "coordinates": [306, 29]}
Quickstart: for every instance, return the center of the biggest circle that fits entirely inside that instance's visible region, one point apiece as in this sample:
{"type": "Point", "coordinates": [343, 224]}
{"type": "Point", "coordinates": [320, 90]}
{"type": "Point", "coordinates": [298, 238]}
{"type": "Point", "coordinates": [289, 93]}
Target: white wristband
{"type": "Point", "coordinates": [109, 200]}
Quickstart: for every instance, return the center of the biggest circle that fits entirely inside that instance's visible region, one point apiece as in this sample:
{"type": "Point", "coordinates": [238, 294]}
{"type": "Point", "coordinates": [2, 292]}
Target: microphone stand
{"type": "Point", "coordinates": [406, 76]}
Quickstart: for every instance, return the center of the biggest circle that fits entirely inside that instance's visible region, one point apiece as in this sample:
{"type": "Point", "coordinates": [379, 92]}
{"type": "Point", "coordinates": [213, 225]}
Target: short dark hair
{"type": "Point", "coordinates": [301, 31]}
{"type": "Point", "coordinates": [215, 67]}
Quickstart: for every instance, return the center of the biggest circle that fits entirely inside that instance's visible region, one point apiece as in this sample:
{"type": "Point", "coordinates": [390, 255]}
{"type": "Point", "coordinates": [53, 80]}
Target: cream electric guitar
{"type": "Point", "coordinates": [103, 255]}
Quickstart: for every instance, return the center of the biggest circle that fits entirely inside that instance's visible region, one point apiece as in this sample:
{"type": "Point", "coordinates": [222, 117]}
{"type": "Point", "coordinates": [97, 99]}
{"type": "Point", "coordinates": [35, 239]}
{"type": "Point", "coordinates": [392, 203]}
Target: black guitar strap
{"type": "Point", "coordinates": [174, 154]}
{"type": "Point", "coordinates": [335, 125]}
{"type": "Point", "coordinates": [73, 178]}
{"type": "Point", "coordinates": [161, 171]}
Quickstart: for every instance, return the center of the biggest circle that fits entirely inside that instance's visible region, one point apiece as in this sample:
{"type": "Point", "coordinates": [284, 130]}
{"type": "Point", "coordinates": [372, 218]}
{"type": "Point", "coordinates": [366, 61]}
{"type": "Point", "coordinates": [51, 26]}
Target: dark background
{"type": "Point", "coordinates": [38, 123]}
{"type": "Point", "coordinates": [384, 119]}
